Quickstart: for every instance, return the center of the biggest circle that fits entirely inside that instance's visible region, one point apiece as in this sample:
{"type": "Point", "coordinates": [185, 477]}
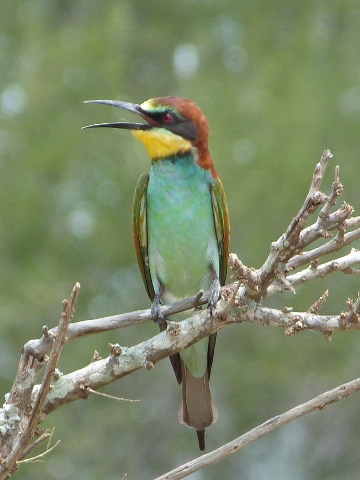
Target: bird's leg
{"type": "Point", "coordinates": [157, 316]}
{"type": "Point", "coordinates": [215, 292]}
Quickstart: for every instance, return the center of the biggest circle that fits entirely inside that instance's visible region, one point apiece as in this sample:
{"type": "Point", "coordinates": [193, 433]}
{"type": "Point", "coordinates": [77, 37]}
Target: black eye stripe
{"type": "Point", "coordinates": [178, 125]}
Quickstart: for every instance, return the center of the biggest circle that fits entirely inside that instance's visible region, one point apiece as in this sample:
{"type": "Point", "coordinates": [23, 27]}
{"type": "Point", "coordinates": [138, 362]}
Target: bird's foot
{"type": "Point", "coordinates": [157, 316]}
{"type": "Point", "coordinates": [215, 294]}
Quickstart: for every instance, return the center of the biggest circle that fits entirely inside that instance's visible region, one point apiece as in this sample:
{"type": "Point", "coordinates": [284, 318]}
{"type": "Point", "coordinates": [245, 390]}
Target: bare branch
{"type": "Point", "coordinates": [28, 404]}
{"type": "Point", "coordinates": [289, 243]}
{"type": "Point", "coordinates": [342, 264]}
{"type": "Point", "coordinates": [333, 245]}
{"type": "Point", "coordinates": [39, 347]}
{"type": "Point", "coordinates": [318, 403]}
{"type": "Point", "coordinates": [178, 336]}
{"type": "Point", "coordinates": [16, 440]}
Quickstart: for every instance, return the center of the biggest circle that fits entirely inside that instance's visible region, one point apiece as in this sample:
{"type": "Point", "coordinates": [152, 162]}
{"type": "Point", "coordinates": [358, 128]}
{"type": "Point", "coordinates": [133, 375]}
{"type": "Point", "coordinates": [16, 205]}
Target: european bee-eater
{"type": "Point", "coordinates": [181, 232]}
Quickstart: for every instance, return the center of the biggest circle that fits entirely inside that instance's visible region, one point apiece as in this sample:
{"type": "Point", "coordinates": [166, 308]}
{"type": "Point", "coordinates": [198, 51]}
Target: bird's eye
{"type": "Point", "coordinates": [167, 117]}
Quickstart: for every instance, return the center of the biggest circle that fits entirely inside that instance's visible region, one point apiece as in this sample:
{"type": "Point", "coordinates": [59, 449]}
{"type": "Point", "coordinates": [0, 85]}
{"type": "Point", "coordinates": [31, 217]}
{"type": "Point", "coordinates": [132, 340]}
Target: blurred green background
{"type": "Point", "coordinates": [279, 82]}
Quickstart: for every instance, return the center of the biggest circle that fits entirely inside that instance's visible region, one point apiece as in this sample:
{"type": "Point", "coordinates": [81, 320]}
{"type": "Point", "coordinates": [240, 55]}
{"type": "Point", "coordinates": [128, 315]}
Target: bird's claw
{"type": "Point", "coordinates": [215, 294]}
{"type": "Point", "coordinates": [157, 316]}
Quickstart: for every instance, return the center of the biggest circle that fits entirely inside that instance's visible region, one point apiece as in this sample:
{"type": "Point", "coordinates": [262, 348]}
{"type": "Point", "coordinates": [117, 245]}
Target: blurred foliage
{"type": "Point", "coordinates": [279, 82]}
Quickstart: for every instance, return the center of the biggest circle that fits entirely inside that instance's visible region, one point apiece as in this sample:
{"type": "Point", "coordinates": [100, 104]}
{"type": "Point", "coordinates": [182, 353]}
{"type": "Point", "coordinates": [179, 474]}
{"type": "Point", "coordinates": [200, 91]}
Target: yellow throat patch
{"type": "Point", "coordinates": [160, 143]}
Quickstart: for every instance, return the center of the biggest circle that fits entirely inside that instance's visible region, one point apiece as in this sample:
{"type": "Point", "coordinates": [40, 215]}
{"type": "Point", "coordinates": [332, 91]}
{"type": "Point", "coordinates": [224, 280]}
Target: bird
{"type": "Point", "coordinates": [181, 232]}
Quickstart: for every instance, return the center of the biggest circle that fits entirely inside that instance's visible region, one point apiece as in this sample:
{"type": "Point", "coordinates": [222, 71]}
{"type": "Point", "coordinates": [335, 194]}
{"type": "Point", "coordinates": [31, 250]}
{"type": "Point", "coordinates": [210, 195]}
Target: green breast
{"type": "Point", "coordinates": [181, 235]}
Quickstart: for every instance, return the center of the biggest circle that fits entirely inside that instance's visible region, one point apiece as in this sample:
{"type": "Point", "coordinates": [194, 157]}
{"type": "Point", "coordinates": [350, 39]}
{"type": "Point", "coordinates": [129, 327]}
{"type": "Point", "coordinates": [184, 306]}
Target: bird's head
{"type": "Point", "coordinates": [173, 126]}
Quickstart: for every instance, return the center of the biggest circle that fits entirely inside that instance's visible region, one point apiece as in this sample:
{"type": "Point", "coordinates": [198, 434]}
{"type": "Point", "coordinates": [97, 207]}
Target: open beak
{"type": "Point", "coordinates": [131, 107]}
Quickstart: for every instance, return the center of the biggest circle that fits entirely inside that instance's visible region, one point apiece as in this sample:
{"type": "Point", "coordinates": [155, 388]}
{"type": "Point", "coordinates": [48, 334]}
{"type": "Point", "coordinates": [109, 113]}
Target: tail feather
{"type": "Point", "coordinates": [201, 438]}
{"type": "Point", "coordinates": [197, 409]}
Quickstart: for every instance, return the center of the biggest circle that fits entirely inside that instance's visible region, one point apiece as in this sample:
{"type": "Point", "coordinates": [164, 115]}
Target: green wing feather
{"type": "Point", "coordinates": [222, 229]}
{"type": "Point", "coordinates": [222, 226]}
{"type": "Point", "coordinates": [140, 232]}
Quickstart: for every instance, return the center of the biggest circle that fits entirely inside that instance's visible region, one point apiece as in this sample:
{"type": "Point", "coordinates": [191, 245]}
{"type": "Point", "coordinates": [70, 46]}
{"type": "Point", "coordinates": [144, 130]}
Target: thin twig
{"type": "Point", "coordinates": [111, 397]}
{"type": "Point", "coordinates": [47, 435]}
{"type": "Point", "coordinates": [41, 455]}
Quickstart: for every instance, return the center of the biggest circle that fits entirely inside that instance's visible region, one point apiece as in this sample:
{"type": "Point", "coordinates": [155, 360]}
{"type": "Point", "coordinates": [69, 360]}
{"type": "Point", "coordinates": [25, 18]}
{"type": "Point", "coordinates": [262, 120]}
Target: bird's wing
{"type": "Point", "coordinates": [222, 229]}
{"type": "Point", "coordinates": [139, 218]}
{"type": "Point", "coordinates": [222, 226]}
